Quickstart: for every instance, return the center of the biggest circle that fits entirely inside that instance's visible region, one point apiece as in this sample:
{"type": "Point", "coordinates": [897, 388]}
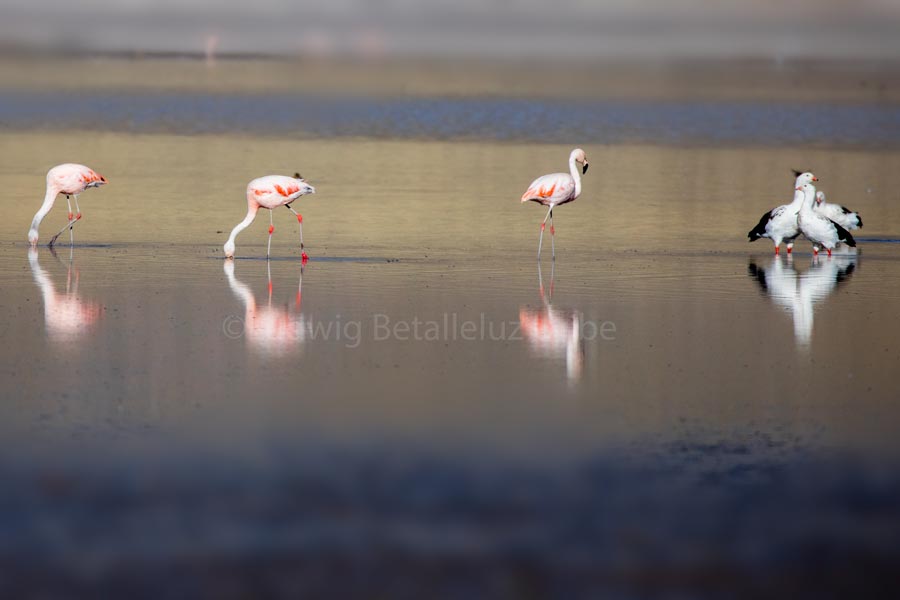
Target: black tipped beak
{"type": "Point", "coordinates": [584, 169]}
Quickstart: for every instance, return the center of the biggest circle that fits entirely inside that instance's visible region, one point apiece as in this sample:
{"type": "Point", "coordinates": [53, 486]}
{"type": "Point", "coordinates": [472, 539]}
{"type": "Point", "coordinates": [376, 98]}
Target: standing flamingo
{"type": "Point", "coordinates": [555, 189]}
{"type": "Point", "coordinates": [69, 179]}
{"type": "Point", "coordinates": [271, 192]}
{"type": "Point", "coordinates": [553, 332]}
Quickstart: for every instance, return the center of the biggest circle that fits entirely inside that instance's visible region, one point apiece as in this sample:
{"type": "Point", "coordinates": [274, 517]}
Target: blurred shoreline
{"type": "Point", "coordinates": [823, 104]}
{"type": "Point", "coordinates": [851, 80]}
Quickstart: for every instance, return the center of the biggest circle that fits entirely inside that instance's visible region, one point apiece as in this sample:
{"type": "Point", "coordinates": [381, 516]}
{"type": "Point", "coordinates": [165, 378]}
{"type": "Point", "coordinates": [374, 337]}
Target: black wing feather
{"type": "Point", "coordinates": [760, 229]}
{"type": "Point", "coordinates": [759, 274]}
{"type": "Point", "coordinates": [844, 235]}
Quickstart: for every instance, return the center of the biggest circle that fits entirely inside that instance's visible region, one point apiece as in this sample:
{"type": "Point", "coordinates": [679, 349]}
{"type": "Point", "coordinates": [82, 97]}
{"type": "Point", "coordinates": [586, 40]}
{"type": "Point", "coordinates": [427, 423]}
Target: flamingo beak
{"type": "Point", "coordinates": [584, 168]}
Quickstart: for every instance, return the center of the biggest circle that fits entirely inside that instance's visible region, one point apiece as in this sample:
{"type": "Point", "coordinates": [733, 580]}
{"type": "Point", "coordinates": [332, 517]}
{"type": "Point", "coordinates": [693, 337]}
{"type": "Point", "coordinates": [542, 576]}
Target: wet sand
{"type": "Point", "coordinates": [667, 406]}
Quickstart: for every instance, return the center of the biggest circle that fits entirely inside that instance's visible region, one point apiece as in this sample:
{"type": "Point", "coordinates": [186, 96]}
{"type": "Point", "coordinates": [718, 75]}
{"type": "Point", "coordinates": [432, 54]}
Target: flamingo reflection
{"type": "Point", "coordinates": [554, 333]}
{"type": "Point", "coordinates": [270, 330]}
{"type": "Point", "coordinates": [66, 316]}
{"type": "Point", "coordinates": [798, 293]}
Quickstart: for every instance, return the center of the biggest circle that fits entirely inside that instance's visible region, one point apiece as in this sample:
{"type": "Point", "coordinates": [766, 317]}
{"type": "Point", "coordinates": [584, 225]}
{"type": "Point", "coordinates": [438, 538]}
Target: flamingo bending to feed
{"type": "Point", "coordinates": [69, 179]}
{"type": "Point", "coordinates": [780, 223]}
{"type": "Point", "coordinates": [271, 192]}
{"type": "Point", "coordinates": [819, 229]}
{"type": "Point", "coordinates": [555, 189]}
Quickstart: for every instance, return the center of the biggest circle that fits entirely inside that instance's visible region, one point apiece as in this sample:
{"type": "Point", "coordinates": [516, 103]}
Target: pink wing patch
{"type": "Point", "coordinates": [92, 177]}
{"type": "Point", "coordinates": [542, 192]}
{"type": "Point", "coordinates": [288, 191]}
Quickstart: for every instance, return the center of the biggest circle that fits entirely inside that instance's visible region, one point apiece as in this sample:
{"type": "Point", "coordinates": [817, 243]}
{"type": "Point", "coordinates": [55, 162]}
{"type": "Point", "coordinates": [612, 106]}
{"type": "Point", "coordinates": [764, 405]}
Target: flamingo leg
{"type": "Point", "coordinates": [60, 232]}
{"type": "Point", "coordinates": [552, 269]}
{"type": "Point", "coordinates": [540, 282]}
{"type": "Point", "coordinates": [541, 239]}
{"type": "Point", "coordinates": [552, 237]}
{"type": "Point", "coordinates": [71, 227]}
{"type": "Point", "coordinates": [271, 230]}
{"type": "Point", "coordinates": [300, 222]}
{"type": "Point", "coordinates": [300, 287]}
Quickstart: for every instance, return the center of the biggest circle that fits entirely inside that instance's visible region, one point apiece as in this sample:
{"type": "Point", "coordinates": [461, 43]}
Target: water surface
{"type": "Point", "coordinates": [666, 408]}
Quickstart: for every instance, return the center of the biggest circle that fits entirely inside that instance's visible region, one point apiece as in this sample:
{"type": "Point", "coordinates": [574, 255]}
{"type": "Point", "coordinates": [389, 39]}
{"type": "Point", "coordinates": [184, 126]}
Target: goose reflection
{"type": "Point", "coordinates": [270, 330]}
{"type": "Point", "coordinates": [552, 332]}
{"type": "Point", "coordinates": [798, 293]}
{"type": "Point", "coordinates": [66, 316]}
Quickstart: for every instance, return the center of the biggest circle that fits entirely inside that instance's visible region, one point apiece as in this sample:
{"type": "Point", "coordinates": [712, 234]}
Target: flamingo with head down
{"type": "Point", "coordinates": [69, 179]}
{"type": "Point", "coordinates": [555, 189]}
{"type": "Point", "coordinates": [271, 192]}
{"type": "Point", "coordinates": [67, 317]}
{"type": "Point", "coordinates": [270, 329]}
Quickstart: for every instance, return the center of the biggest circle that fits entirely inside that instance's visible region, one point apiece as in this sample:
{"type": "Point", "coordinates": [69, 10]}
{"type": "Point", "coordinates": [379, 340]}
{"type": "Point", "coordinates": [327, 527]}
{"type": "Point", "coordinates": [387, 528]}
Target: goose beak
{"type": "Point", "coordinates": [584, 169]}
{"type": "Point", "coordinates": [815, 178]}
{"type": "Point", "coordinates": [798, 188]}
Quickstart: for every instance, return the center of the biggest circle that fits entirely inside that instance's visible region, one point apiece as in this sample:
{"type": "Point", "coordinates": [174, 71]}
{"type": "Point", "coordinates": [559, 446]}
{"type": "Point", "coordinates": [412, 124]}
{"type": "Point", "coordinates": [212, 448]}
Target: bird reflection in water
{"type": "Point", "coordinates": [798, 293]}
{"type": "Point", "coordinates": [269, 329]}
{"type": "Point", "coordinates": [66, 316]}
{"type": "Point", "coordinates": [554, 333]}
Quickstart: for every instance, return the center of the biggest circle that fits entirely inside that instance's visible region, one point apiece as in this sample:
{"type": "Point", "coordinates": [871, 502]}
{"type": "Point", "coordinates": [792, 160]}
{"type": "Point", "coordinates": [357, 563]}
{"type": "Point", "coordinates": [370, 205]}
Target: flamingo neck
{"type": "Point", "coordinates": [576, 174]}
{"type": "Point", "coordinates": [41, 279]}
{"type": "Point", "coordinates": [239, 289]}
{"type": "Point", "coordinates": [251, 214]}
{"type": "Point", "coordinates": [49, 198]}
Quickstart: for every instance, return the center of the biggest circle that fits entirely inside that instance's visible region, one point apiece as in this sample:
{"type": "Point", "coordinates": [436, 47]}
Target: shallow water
{"type": "Point", "coordinates": [666, 407]}
{"type": "Point", "coordinates": [668, 121]}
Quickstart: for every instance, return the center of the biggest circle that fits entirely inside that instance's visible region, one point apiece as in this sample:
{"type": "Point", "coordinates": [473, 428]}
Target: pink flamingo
{"type": "Point", "coordinates": [66, 316]}
{"type": "Point", "coordinates": [69, 179]}
{"type": "Point", "coordinates": [271, 192]}
{"type": "Point", "coordinates": [555, 189]}
{"type": "Point", "coordinates": [554, 332]}
{"type": "Point", "coordinates": [269, 328]}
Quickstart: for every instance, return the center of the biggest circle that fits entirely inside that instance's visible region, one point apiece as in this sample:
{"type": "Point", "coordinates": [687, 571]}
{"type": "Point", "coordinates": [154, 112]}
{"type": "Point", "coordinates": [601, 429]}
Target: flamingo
{"type": "Point", "coordinates": [780, 223]}
{"type": "Point", "coordinates": [66, 316]}
{"type": "Point", "coordinates": [841, 215]}
{"type": "Point", "coordinates": [818, 229]}
{"type": "Point", "coordinates": [555, 189]}
{"type": "Point", "coordinates": [271, 192]}
{"type": "Point", "coordinates": [553, 332]}
{"type": "Point", "coordinates": [270, 329]}
{"type": "Point", "coordinates": [69, 179]}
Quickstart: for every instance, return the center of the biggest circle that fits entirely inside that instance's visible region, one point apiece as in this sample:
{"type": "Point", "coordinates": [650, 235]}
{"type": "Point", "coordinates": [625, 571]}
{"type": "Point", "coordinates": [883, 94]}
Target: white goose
{"type": "Point", "coordinates": [841, 215]}
{"type": "Point", "coordinates": [818, 229]}
{"type": "Point", "coordinates": [780, 223]}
